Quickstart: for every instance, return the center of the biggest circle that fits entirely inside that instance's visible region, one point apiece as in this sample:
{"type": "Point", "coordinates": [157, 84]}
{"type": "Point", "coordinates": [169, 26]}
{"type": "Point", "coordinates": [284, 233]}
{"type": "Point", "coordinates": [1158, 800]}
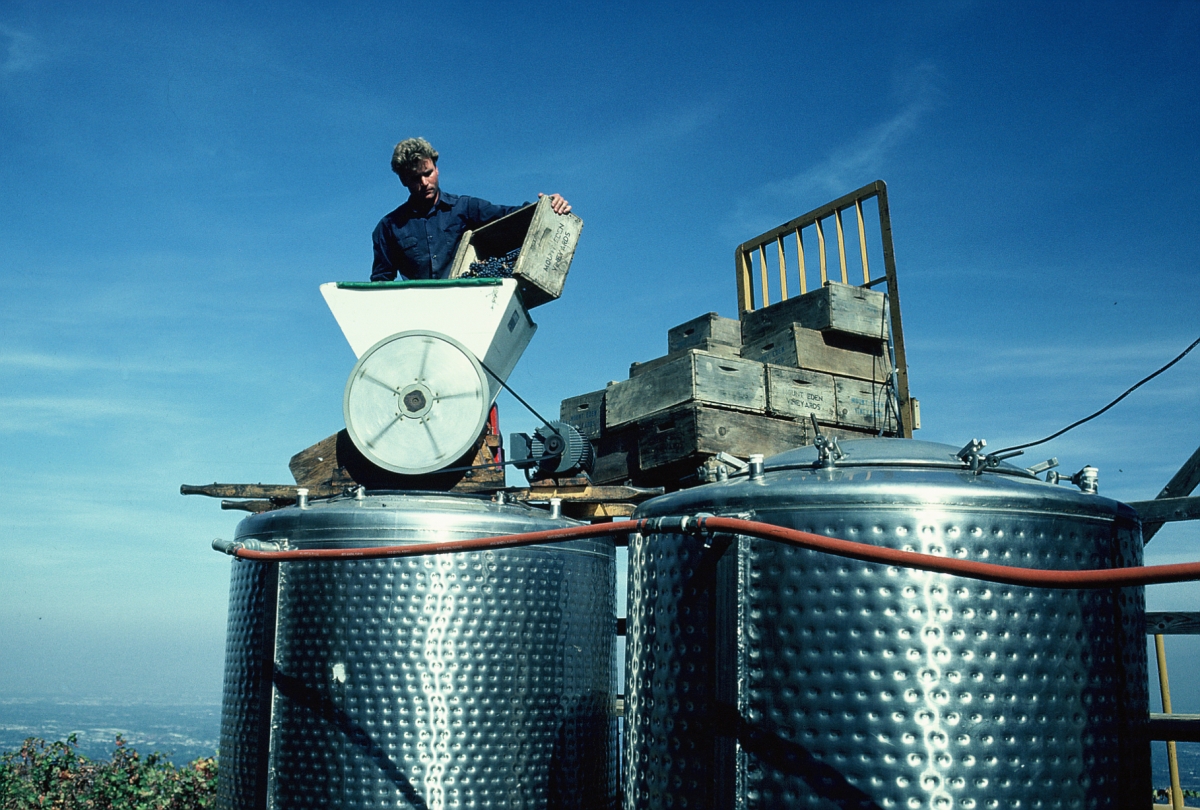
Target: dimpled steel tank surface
{"type": "Point", "coordinates": [765, 676]}
{"type": "Point", "coordinates": [468, 680]}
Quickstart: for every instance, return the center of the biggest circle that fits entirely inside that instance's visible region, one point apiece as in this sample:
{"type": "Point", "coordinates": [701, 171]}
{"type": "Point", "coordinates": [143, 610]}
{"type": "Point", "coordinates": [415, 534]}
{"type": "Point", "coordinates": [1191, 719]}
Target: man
{"type": "Point", "coordinates": [418, 240]}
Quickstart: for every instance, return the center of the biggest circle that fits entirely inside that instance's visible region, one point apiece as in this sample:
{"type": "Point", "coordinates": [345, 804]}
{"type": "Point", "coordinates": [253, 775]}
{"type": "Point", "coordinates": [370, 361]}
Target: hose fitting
{"type": "Point", "coordinates": [232, 547]}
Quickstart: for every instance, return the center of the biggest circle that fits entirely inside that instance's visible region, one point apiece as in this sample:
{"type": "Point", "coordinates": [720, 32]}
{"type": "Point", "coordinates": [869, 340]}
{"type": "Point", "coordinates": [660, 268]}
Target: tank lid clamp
{"type": "Point", "coordinates": [828, 451]}
{"type": "Point", "coordinates": [1087, 479]}
{"type": "Point", "coordinates": [994, 459]}
{"type": "Point", "coordinates": [973, 456]}
{"type": "Point", "coordinates": [1041, 467]}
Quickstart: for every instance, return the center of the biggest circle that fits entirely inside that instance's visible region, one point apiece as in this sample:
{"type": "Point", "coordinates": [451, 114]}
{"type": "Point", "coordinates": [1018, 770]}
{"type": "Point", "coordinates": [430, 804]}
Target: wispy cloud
{"type": "Point", "coordinates": [19, 52]}
{"type": "Point", "coordinates": [1102, 364]}
{"type": "Point", "coordinates": [663, 130]}
{"type": "Point", "coordinates": [58, 415]}
{"type": "Point", "coordinates": [847, 166]}
{"type": "Point", "coordinates": [56, 363]}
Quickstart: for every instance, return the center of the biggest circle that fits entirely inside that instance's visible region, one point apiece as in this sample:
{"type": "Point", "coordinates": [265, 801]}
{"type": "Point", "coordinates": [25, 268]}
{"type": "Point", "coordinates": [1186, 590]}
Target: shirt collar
{"type": "Point", "coordinates": [445, 203]}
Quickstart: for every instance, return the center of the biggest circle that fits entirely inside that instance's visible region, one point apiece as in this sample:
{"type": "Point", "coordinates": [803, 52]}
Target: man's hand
{"type": "Point", "coordinates": [557, 204]}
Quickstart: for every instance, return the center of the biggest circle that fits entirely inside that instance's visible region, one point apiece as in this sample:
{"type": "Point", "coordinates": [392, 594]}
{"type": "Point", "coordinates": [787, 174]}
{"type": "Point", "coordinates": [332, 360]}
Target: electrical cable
{"type": "Point", "coordinates": [891, 387]}
{"type": "Point", "coordinates": [494, 464]}
{"type": "Point", "coordinates": [865, 552]}
{"type": "Point", "coordinates": [517, 396]}
{"type": "Point", "coordinates": [1128, 391]}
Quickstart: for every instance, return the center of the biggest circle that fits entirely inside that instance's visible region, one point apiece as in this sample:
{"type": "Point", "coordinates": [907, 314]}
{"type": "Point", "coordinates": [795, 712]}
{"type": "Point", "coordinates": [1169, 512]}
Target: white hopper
{"type": "Point", "coordinates": [417, 399]}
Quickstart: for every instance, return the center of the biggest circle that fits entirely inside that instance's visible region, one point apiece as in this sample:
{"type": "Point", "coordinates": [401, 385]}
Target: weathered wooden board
{"type": "Point", "coordinates": [336, 462]}
{"type": "Point", "coordinates": [547, 241]}
{"type": "Point", "coordinates": [837, 307]}
{"type": "Point", "coordinates": [254, 507]}
{"type": "Point", "coordinates": [318, 465]}
{"type": "Point", "coordinates": [796, 393]}
{"type": "Point", "coordinates": [487, 478]}
{"type": "Point", "coordinates": [694, 377]}
{"type": "Point", "coordinates": [585, 413]}
{"type": "Point", "coordinates": [706, 330]}
{"type": "Point", "coordinates": [830, 352]}
{"type": "Point", "coordinates": [863, 404]}
{"type": "Point", "coordinates": [718, 349]}
{"type": "Point", "coordinates": [286, 492]}
{"type": "Point", "coordinates": [696, 431]}
{"type": "Point", "coordinates": [595, 512]}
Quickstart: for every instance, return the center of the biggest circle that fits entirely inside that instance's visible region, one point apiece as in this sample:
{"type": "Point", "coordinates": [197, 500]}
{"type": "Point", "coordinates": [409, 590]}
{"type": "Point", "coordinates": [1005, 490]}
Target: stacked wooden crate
{"type": "Point", "coordinates": [743, 387]}
{"type": "Point", "coordinates": [825, 353]}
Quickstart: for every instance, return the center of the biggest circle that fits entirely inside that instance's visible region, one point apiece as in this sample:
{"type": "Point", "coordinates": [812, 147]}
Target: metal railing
{"type": "Point", "coordinates": [772, 248]}
{"type": "Point", "coordinates": [1170, 505]}
{"type": "Point", "coordinates": [1167, 726]}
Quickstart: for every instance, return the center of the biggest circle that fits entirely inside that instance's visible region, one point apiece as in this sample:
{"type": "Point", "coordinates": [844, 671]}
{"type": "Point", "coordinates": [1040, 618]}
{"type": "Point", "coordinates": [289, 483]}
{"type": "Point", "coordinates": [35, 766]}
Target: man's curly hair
{"type": "Point", "coordinates": [410, 153]}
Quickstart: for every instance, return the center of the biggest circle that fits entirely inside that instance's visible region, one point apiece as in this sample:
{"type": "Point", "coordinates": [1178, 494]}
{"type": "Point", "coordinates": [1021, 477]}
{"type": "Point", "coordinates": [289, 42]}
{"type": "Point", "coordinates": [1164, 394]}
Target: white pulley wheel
{"type": "Point", "coordinates": [416, 402]}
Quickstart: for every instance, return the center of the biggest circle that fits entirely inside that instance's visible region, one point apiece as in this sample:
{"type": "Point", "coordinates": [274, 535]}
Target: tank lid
{"type": "Point", "coordinates": [881, 452]}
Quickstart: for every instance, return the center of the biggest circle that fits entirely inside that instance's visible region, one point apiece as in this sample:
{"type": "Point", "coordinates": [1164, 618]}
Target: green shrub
{"type": "Point", "coordinates": [1163, 795]}
{"type": "Point", "coordinates": [55, 776]}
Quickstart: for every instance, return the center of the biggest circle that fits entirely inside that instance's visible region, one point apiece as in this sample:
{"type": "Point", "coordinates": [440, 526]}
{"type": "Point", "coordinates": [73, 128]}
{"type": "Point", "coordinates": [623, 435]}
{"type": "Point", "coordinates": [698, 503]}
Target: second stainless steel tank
{"type": "Point", "coordinates": [468, 680]}
{"type": "Point", "coordinates": [764, 676]}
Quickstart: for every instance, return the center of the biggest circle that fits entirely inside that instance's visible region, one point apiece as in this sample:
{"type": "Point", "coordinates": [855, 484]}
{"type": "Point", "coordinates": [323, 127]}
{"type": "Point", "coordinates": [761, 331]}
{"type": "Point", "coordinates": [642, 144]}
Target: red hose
{"type": "Point", "coordinates": [1010, 575]}
{"type": "Point", "coordinates": [445, 547]}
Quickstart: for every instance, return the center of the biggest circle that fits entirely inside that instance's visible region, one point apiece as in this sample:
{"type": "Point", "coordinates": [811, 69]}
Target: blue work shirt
{"type": "Point", "coordinates": [411, 245]}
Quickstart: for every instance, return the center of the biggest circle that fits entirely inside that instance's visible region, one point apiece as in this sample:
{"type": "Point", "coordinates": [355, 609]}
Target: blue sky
{"type": "Point", "coordinates": [178, 180]}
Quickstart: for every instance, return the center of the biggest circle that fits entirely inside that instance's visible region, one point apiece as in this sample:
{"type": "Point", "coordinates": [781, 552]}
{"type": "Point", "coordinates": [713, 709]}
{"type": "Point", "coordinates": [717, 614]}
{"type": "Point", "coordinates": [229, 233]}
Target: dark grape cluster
{"type": "Point", "coordinates": [495, 267]}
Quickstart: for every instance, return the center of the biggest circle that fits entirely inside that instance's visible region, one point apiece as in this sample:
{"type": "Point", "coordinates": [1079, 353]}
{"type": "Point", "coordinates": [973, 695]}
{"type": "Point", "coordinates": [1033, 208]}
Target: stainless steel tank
{"type": "Point", "coordinates": [765, 676]}
{"type": "Point", "coordinates": [467, 680]}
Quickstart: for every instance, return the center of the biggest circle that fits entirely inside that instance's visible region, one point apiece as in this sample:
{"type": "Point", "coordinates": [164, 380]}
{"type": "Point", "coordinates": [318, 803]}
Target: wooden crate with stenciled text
{"type": "Point", "coordinates": [691, 433]}
{"type": "Point", "coordinates": [830, 352]}
{"type": "Point", "coordinates": [547, 241]}
{"type": "Point", "coordinates": [835, 307]}
{"type": "Point", "coordinates": [717, 349]}
{"type": "Point", "coordinates": [585, 413]}
{"type": "Point", "coordinates": [863, 404]}
{"type": "Point", "coordinates": [695, 376]}
{"type": "Point", "coordinates": [796, 393]}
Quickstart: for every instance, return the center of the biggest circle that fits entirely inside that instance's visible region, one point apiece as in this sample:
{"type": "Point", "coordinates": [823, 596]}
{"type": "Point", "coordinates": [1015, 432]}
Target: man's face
{"type": "Point", "coordinates": [422, 182]}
